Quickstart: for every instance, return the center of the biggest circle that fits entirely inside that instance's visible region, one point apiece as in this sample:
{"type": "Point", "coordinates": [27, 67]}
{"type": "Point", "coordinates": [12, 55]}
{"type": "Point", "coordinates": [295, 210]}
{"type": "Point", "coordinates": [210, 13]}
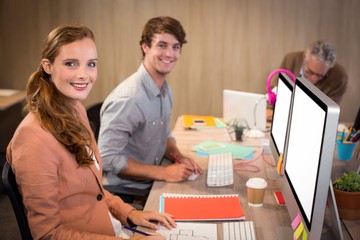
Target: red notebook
{"type": "Point", "coordinates": [186, 207]}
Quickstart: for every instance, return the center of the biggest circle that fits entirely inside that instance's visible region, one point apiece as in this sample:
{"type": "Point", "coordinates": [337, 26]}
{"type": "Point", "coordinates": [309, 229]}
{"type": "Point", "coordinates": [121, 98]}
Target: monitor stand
{"type": "Point", "coordinates": [331, 226]}
{"type": "Point", "coordinates": [272, 174]}
{"type": "Point", "coordinates": [284, 233]}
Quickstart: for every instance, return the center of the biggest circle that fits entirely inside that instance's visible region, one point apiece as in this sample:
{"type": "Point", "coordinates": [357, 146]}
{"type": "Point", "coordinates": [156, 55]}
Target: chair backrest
{"type": "Point", "coordinates": [93, 113]}
{"type": "Point", "coordinates": [12, 191]}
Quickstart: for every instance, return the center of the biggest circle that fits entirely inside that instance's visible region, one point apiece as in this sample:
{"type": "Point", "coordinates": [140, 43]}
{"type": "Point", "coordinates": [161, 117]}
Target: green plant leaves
{"type": "Point", "coordinates": [349, 182]}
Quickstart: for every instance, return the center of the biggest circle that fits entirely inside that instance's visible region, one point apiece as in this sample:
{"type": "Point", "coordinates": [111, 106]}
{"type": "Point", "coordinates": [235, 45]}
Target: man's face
{"type": "Point", "coordinates": [160, 58]}
{"type": "Point", "coordinates": [314, 70]}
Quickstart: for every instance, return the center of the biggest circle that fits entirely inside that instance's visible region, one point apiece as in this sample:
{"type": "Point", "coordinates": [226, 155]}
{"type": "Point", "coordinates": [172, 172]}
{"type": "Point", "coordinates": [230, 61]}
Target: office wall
{"type": "Point", "coordinates": [232, 44]}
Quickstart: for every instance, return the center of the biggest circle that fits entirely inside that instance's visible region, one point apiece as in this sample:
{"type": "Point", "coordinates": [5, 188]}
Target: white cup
{"type": "Point", "coordinates": [256, 191]}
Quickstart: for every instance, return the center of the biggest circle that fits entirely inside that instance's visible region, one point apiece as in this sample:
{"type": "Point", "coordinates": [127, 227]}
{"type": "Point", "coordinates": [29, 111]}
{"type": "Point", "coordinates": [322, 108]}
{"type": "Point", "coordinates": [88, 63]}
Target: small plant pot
{"type": "Point", "coordinates": [239, 135]}
{"type": "Point", "coordinates": [348, 204]}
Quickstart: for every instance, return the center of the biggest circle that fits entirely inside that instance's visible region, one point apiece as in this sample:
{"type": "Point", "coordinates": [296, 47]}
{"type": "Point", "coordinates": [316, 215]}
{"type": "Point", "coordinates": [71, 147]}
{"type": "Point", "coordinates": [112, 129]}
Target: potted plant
{"type": "Point", "coordinates": [238, 126]}
{"type": "Point", "coordinates": [347, 194]}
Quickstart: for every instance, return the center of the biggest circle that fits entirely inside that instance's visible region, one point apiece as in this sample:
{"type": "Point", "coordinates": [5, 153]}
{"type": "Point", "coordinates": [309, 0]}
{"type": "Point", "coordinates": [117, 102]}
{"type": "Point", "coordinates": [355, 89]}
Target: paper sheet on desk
{"type": "Point", "coordinates": [193, 231]}
{"type": "Point", "coordinates": [238, 152]}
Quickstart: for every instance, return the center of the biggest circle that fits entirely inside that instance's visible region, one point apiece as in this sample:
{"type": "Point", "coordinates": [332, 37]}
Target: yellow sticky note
{"type": "Point", "coordinates": [304, 235]}
{"type": "Point", "coordinates": [299, 230]}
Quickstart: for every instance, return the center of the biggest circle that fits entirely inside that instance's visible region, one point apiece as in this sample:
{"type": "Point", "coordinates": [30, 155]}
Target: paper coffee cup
{"type": "Point", "coordinates": [256, 191]}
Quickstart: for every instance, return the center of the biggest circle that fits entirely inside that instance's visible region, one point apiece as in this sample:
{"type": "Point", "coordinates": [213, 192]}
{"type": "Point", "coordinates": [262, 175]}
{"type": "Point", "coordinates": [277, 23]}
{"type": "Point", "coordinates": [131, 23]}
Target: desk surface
{"type": "Point", "coordinates": [270, 217]}
{"type": "Point", "coordinates": [10, 97]}
{"type": "Point", "coordinates": [266, 218]}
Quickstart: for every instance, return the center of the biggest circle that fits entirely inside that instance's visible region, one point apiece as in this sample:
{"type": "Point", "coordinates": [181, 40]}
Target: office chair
{"type": "Point", "coordinates": [127, 194]}
{"type": "Point", "coordinates": [12, 191]}
{"type": "Point", "coordinates": [93, 113]}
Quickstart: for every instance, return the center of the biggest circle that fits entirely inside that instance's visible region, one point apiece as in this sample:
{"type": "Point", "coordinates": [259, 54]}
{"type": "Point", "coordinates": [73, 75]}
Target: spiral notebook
{"type": "Point", "coordinates": [186, 207]}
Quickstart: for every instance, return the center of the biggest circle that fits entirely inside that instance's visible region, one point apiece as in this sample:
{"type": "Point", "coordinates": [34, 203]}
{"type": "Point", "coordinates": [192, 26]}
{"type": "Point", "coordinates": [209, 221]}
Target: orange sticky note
{"type": "Point", "coordinates": [279, 165]}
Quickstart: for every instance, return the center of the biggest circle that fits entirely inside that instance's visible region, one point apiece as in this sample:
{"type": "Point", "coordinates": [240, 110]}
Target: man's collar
{"type": "Point", "coordinates": [149, 83]}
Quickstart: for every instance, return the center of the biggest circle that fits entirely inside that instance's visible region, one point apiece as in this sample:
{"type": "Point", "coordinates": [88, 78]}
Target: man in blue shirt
{"type": "Point", "coordinates": [135, 132]}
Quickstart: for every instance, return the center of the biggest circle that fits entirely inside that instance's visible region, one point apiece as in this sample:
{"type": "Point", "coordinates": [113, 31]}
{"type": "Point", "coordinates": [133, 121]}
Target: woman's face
{"type": "Point", "coordinates": [74, 70]}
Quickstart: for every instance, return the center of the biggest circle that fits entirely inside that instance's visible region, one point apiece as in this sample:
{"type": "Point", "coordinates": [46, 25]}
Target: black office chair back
{"type": "Point", "coordinates": [12, 191]}
{"type": "Point", "coordinates": [93, 113]}
{"type": "Point", "coordinates": [127, 194]}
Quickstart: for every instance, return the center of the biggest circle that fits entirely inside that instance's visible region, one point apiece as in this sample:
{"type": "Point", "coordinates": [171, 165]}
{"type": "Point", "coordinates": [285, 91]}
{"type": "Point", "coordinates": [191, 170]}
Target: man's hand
{"type": "Point", "coordinates": [177, 172]}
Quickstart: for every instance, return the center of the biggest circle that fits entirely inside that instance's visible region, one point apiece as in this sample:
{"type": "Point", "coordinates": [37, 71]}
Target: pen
{"type": "Point", "coordinates": [175, 157]}
{"type": "Point", "coordinates": [348, 134]}
{"type": "Point", "coordinates": [342, 135]}
{"type": "Point", "coordinates": [136, 231]}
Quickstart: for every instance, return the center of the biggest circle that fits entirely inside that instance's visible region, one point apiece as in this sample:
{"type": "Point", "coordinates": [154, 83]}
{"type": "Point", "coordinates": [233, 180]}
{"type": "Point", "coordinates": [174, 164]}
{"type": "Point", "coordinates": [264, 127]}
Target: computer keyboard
{"type": "Point", "coordinates": [243, 230]}
{"type": "Point", "coordinates": [220, 170]}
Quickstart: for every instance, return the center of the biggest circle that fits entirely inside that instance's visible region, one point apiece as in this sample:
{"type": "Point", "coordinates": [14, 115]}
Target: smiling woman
{"type": "Point", "coordinates": [51, 97]}
{"type": "Point", "coordinates": [54, 155]}
{"type": "Point", "coordinates": [74, 71]}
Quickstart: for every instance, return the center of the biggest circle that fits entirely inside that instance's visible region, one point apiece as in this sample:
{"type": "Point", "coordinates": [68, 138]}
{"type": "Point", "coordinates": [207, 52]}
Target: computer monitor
{"type": "Point", "coordinates": [280, 115]}
{"type": "Point", "coordinates": [308, 155]}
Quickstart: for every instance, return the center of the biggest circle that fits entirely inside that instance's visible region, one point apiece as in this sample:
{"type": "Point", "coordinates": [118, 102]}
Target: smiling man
{"type": "Point", "coordinates": [135, 132]}
{"type": "Point", "coordinates": [318, 65]}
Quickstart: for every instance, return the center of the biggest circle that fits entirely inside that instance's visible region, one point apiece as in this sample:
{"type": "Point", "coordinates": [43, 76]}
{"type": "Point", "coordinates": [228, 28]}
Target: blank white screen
{"type": "Point", "coordinates": [304, 148]}
{"type": "Point", "coordinates": [281, 115]}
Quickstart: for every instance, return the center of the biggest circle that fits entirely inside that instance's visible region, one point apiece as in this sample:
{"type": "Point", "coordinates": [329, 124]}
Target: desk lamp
{"type": "Point", "coordinates": [254, 132]}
